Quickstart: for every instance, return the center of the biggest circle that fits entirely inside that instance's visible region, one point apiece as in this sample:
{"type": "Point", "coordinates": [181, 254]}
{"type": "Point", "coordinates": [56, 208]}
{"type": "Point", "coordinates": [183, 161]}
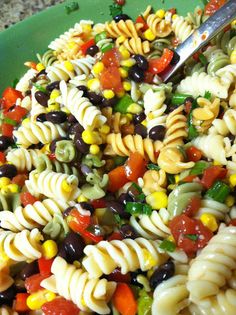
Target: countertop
{"type": "Point", "coordinates": [13, 11]}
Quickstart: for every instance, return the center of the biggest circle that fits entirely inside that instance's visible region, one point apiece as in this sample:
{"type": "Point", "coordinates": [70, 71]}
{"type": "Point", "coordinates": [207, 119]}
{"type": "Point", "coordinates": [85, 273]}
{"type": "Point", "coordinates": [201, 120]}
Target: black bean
{"type": "Point", "coordinates": [94, 98]}
{"type": "Point", "coordinates": [138, 118]}
{"type": "Point", "coordinates": [28, 93]}
{"type": "Point", "coordinates": [84, 89]}
{"type": "Point", "coordinates": [80, 144]}
{"type": "Point", "coordinates": [134, 276]}
{"type": "Point", "coordinates": [92, 50]}
{"type": "Point", "coordinates": [117, 208]}
{"type": "Point", "coordinates": [157, 133]}
{"type": "Point", "coordinates": [87, 206]}
{"type": "Point", "coordinates": [56, 117]}
{"type": "Point", "coordinates": [109, 102]}
{"type": "Point", "coordinates": [124, 198]}
{"type": "Point", "coordinates": [41, 73]}
{"type": "Point", "coordinates": [8, 170]}
{"type": "Point", "coordinates": [76, 128]}
{"type": "Point", "coordinates": [62, 252]}
{"type": "Point", "coordinates": [141, 62]}
{"type": "Point", "coordinates": [189, 99]}
{"type": "Point", "coordinates": [41, 117]}
{"type": "Point", "coordinates": [7, 296]}
{"type": "Point", "coordinates": [232, 139]}
{"type": "Point", "coordinates": [127, 231]}
{"type": "Point", "coordinates": [5, 142]}
{"type": "Point", "coordinates": [54, 85]}
{"type": "Point", "coordinates": [71, 119]}
{"type": "Point", "coordinates": [52, 146]}
{"type": "Point", "coordinates": [85, 170]}
{"type": "Point", "coordinates": [29, 270]}
{"type": "Point", "coordinates": [136, 74]}
{"type": "Point", "coordinates": [74, 246]}
{"type": "Point", "coordinates": [162, 273]}
{"type": "Point", "coordinates": [170, 108]}
{"type": "Point", "coordinates": [140, 130]}
{"type": "Point", "coordinates": [41, 98]}
{"type": "Point", "coordinates": [123, 17]}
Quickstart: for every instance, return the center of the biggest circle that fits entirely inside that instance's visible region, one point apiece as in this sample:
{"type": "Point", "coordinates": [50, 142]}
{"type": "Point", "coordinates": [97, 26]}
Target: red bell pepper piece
{"type": "Point", "coordinates": [141, 20]}
{"type": "Point", "coordinates": [211, 174]}
{"type": "Point", "coordinates": [16, 114]}
{"type": "Point", "coordinates": [158, 65]}
{"type": "Point", "coordinates": [45, 266]}
{"type": "Point", "coordinates": [117, 178]}
{"type": "Point", "coordinates": [193, 154]}
{"type": "Point", "coordinates": [2, 157]}
{"type": "Point", "coordinates": [124, 300]}
{"type": "Point", "coordinates": [7, 130]}
{"type": "Point", "coordinates": [135, 166]}
{"type": "Point", "coordinates": [32, 283]}
{"type": "Point", "coordinates": [20, 304]}
{"type": "Point", "coordinates": [10, 96]}
{"type": "Point", "coordinates": [27, 199]}
{"type": "Point", "coordinates": [19, 179]}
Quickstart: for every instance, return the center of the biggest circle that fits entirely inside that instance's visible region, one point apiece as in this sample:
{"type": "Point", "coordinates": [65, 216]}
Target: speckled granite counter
{"type": "Point", "coordinates": [13, 11]}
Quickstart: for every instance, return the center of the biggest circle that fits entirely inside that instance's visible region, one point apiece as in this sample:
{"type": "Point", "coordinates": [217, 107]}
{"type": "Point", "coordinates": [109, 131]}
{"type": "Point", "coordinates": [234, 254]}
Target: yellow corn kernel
{"type": "Point", "coordinates": [36, 300]}
{"type": "Point", "coordinates": [161, 13]}
{"type": "Point", "coordinates": [216, 163]}
{"type": "Point", "coordinates": [150, 273]}
{"type": "Point", "coordinates": [174, 16]}
{"type": "Point", "coordinates": [230, 200]}
{"type": "Point", "coordinates": [134, 108]}
{"type": "Point", "coordinates": [233, 57]}
{"type": "Point", "coordinates": [5, 190]}
{"type": "Point", "coordinates": [13, 188]}
{"type": "Point", "coordinates": [98, 67]}
{"type": "Point", "coordinates": [121, 40]}
{"type": "Point", "coordinates": [93, 84]}
{"type": "Point", "coordinates": [171, 238]}
{"type": "Point", "coordinates": [66, 186]}
{"type": "Point", "coordinates": [176, 179]}
{"type": "Point", "coordinates": [54, 94]}
{"type": "Point", "coordinates": [49, 249]}
{"type": "Point", "coordinates": [233, 24]}
{"type": "Point", "coordinates": [87, 28]}
{"type": "Point", "coordinates": [82, 198]}
{"type": "Point", "coordinates": [126, 86]}
{"type": "Point", "coordinates": [124, 52]}
{"type": "Point", "coordinates": [150, 261]}
{"type": "Point", "coordinates": [123, 73]}
{"type": "Point", "coordinates": [232, 180]}
{"type": "Point", "coordinates": [53, 107]}
{"type": "Point", "coordinates": [127, 63]}
{"type": "Point", "coordinates": [105, 129]}
{"type": "Point", "coordinates": [65, 110]}
{"type": "Point", "coordinates": [40, 67]}
{"type": "Point", "coordinates": [94, 149]}
{"type": "Point", "coordinates": [68, 65]}
{"type": "Point", "coordinates": [108, 94]}
{"type": "Point", "coordinates": [157, 200]}
{"type": "Point", "coordinates": [144, 123]}
{"type": "Point", "coordinates": [4, 181]}
{"type": "Point", "coordinates": [25, 122]}
{"type": "Point", "coordinates": [91, 137]}
{"type": "Point", "coordinates": [45, 148]}
{"type": "Point", "coordinates": [209, 221]}
{"type": "Point", "coordinates": [148, 34]}
{"type": "Point", "coordinates": [71, 45]}
{"type": "Point", "coordinates": [129, 116]}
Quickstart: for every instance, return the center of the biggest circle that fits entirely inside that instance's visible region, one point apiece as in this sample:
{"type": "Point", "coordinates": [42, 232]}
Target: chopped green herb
{"type": "Point", "coordinates": [147, 209]}
{"type": "Point", "coordinates": [40, 87]}
{"type": "Point", "coordinates": [167, 246]}
{"type": "Point", "coordinates": [218, 192]}
{"type": "Point", "coordinates": [178, 99]}
{"type": "Point", "coordinates": [171, 178]}
{"type": "Point", "coordinates": [119, 160]}
{"type": "Point", "coordinates": [10, 121]}
{"type": "Point", "coordinates": [14, 83]}
{"type": "Point", "coordinates": [123, 104]}
{"type": "Point", "coordinates": [192, 131]}
{"type": "Point", "coordinates": [106, 48]}
{"type": "Point", "coordinates": [137, 187]}
{"type": "Point", "coordinates": [117, 218]}
{"type": "Point", "coordinates": [136, 208]}
{"type": "Point", "coordinates": [182, 151]}
{"type": "Point", "coordinates": [192, 237]}
{"type": "Point", "coordinates": [71, 7]}
{"type": "Point", "coordinates": [115, 9]}
{"type": "Point", "coordinates": [203, 59]}
{"type": "Point", "coordinates": [141, 197]}
{"type": "Point", "coordinates": [153, 167]}
{"type": "Point", "coordinates": [207, 95]}
{"type": "Point", "coordinates": [198, 168]}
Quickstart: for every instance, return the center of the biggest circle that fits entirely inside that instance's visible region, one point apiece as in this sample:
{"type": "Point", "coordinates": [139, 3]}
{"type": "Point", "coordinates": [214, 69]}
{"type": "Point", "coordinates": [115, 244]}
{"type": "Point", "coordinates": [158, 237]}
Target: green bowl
{"type": "Point", "coordinates": [22, 41]}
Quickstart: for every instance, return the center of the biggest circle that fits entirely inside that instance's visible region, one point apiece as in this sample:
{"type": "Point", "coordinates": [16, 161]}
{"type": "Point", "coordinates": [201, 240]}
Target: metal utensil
{"type": "Point", "coordinates": [200, 37]}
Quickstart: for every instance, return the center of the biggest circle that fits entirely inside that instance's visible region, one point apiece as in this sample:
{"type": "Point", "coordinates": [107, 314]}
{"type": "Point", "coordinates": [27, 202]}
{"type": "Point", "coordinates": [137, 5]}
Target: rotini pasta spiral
{"type": "Point", "coordinates": [24, 83]}
{"type": "Point", "coordinates": [158, 46]}
{"type": "Point", "coordinates": [23, 159]}
{"type": "Point", "coordinates": [124, 146]}
{"type": "Point", "coordinates": [9, 201]}
{"type": "Point", "coordinates": [127, 254]}
{"type": "Point", "coordinates": [123, 28]}
{"type": "Point", "coordinates": [159, 27]}
{"type": "Point", "coordinates": [74, 284]}
{"type": "Point", "coordinates": [22, 246]}
{"type": "Point", "coordinates": [116, 120]}
{"type": "Point", "coordinates": [6, 310]}
{"type": "Point", "coordinates": [225, 41]}
{"type": "Point", "coordinates": [31, 216]}
{"type": "Point", "coordinates": [136, 46]}
{"type": "Point", "coordinates": [84, 111]}
{"type": "Point", "coordinates": [33, 133]}
{"type": "Point", "coordinates": [53, 185]}
{"type": "Point", "coordinates": [181, 28]}
{"type": "Point", "coordinates": [216, 58]}
{"type": "Point", "coordinates": [225, 125]}
{"type": "Point", "coordinates": [227, 74]}
{"type": "Point", "coordinates": [195, 18]}
{"type": "Point", "coordinates": [218, 209]}
{"type": "Point", "coordinates": [213, 266]}
{"type": "Point", "coordinates": [47, 59]}
{"type": "Point", "coordinates": [153, 181]}
{"type": "Point", "coordinates": [25, 102]}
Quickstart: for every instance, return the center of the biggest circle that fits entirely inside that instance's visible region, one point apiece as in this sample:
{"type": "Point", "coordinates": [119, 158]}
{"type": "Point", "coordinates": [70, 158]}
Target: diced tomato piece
{"type": "Point", "coordinates": [16, 114]}
{"type": "Point", "coordinates": [27, 199]}
{"type": "Point", "coordinates": [135, 166]}
{"type": "Point", "coordinates": [19, 179]}
{"type": "Point", "coordinates": [141, 20]}
{"type": "Point", "coordinates": [188, 107]}
{"type": "Point", "coordinates": [233, 222]}
{"type": "Point", "coordinates": [10, 96]}
{"type": "Point", "coordinates": [111, 58]}
{"type": "Point", "coordinates": [78, 222]}
{"type": "Point", "coordinates": [89, 235]}
{"type": "Point", "coordinates": [98, 203]}
{"type": "Point", "coordinates": [193, 206]}
{"type": "Point", "coordinates": [117, 179]}
{"type": "Point", "coordinates": [32, 283]}
{"type": "Point", "coordinates": [86, 45]}
{"type": "Point", "coordinates": [124, 300]}
{"type": "Point", "coordinates": [115, 236]}
{"type": "Point", "coordinates": [52, 156]}
{"type": "Point", "coordinates": [120, 2]}
{"type": "Point", "coordinates": [117, 276]}
{"type": "Point", "coordinates": [148, 77]}
{"type": "Point", "coordinates": [213, 6]}
{"type": "Point", "coordinates": [45, 266]}
{"type": "Point", "coordinates": [60, 306]}
{"type": "Point", "coordinates": [7, 130]}
{"type": "Point", "coordinates": [20, 304]}
{"type": "Point", "coordinates": [196, 56]}
{"type": "Point", "coordinates": [193, 154]}
{"type": "Point", "coordinates": [158, 65]}
{"type": "Point", "coordinates": [211, 174]}
{"type": "Point", "coordinates": [111, 79]}
{"type": "Point", "coordinates": [2, 157]}
{"type": "Point", "coordinates": [189, 178]}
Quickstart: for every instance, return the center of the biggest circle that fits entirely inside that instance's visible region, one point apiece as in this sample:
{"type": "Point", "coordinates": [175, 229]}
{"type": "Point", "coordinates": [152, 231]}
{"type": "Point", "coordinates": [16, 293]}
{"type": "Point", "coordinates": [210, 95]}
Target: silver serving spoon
{"type": "Point", "coordinates": [200, 37]}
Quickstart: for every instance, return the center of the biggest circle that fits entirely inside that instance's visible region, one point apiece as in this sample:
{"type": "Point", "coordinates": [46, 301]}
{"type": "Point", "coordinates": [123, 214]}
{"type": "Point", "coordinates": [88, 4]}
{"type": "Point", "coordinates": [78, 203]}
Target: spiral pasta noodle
{"type": "Point", "coordinates": [74, 284]}
{"type": "Point", "coordinates": [218, 209]}
{"type": "Point", "coordinates": [47, 59]}
{"type": "Point", "coordinates": [53, 185]}
{"type": "Point", "coordinates": [195, 18]}
{"type": "Point", "coordinates": [227, 74]}
{"type": "Point", "coordinates": [24, 82]}
{"type": "Point", "coordinates": [9, 201]}
{"type": "Point", "coordinates": [158, 46]}
{"type": "Point", "coordinates": [124, 146]}
{"type": "Point", "coordinates": [31, 216]}
{"type": "Point", "coordinates": [216, 58]}
{"type": "Point", "coordinates": [225, 41]}
{"type": "Point", "coordinates": [33, 133]}
{"type": "Point", "coordinates": [116, 120]}
{"type": "Point", "coordinates": [5, 310]}
{"type": "Point", "coordinates": [181, 28]}
{"type": "Point", "coordinates": [226, 125]}
{"type": "Point", "coordinates": [153, 181]}
{"type": "Point", "coordinates": [23, 159]}
{"type": "Point", "coordinates": [87, 114]}
{"type": "Point", "coordinates": [213, 266]}
{"type": "Point", "coordinates": [136, 46]}
{"type": "Point", "coordinates": [160, 28]}
{"type": "Point", "coordinates": [22, 246]}
{"type": "Point", "coordinates": [123, 28]}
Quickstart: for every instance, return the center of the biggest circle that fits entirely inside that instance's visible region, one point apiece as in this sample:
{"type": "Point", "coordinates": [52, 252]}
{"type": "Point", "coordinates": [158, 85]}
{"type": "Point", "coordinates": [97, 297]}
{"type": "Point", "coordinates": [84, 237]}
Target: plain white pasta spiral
{"type": "Point", "coordinates": [198, 83]}
{"type": "Point", "coordinates": [153, 226]}
{"type": "Point", "coordinates": [84, 111]}
{"type": "Point", "coordinates": [25, 102]}
{"type": "Point", "coordinates": [218, 209]}
{"type": "Point", "coordinates": [24, 83]}
{"type": "Point", "coordinates": [32, 215]}
{"type": "Point", "coordinates": [227, 74]}
{"type": "Point", "coordinates": [226, 125]}
{"type": "Point", "coordinates": [53, 185]}
{"type": "Point", "coordinates": [127, 254]}
{"type": "Point", "coordinates": [35, 132]}
{"type": "Point", "coordinates": [211, 269]}
{"type": "Point", "coordinates": [83, 65]}
{"type": "Point", "coordinates": [23, 159]}
{"type": "Point", "coordinates": [154, 108]}
{"type": "Point", "coordinates": [182, 28]}
{"type": "Point", "coordinates": [171, 296]}
{"type": "Point", "coordinates": [6, 310]}
{"type": "Point", "coordinates": [74, 284]}
{"type": "Point", "coordinates": [22, 246]}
